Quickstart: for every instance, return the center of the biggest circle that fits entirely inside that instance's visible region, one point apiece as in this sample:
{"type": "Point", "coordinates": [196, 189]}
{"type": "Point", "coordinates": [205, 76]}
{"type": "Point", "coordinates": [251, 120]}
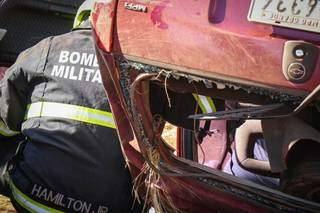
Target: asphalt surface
{"type": "Point", "coordinates": [5, 205]}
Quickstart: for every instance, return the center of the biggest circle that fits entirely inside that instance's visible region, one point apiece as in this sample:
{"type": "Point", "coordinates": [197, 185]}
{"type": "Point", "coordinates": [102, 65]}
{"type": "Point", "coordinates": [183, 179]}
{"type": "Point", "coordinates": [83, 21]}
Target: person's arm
{"type": "Point", "coordinates": [16, 87]}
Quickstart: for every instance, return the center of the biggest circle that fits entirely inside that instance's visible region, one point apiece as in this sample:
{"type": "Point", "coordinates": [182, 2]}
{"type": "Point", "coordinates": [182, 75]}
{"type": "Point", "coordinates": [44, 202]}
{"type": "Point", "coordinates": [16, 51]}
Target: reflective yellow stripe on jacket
{"type": "Point", "coordinates": [206, 103]}
{"type": "Point", "coordinates": [73, 112]}
{"type": "Point", "coordinates": [29, 204]}
{"type": "Point", "coordinates": [5, 131]}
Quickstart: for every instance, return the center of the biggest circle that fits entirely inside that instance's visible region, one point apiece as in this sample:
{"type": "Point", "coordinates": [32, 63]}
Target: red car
{"type": "Point", "coordinates": [260, 55]}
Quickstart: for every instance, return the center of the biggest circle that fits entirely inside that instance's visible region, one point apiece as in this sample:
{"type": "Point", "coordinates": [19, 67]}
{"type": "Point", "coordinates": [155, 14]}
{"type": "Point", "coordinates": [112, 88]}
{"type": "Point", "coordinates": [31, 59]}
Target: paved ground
{"type": "Point", "coordinates": [5, 205]}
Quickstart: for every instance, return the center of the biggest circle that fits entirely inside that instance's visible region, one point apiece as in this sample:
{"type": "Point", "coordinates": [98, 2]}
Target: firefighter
{"type": "Point", "coordinates": [70, 159]}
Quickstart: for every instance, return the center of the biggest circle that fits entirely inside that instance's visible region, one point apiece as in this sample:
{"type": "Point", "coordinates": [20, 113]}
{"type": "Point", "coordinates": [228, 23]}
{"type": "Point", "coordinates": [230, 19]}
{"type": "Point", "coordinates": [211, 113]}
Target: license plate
{"type": "Point", "coordinates": [296, 14]}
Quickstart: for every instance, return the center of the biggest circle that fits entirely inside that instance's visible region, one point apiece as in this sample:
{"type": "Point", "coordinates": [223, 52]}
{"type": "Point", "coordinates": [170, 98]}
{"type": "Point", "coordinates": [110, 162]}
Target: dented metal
{"type": "Point", "coordinates": [210, 179]}
{"type": "Point", "coordinates": [199, 50]}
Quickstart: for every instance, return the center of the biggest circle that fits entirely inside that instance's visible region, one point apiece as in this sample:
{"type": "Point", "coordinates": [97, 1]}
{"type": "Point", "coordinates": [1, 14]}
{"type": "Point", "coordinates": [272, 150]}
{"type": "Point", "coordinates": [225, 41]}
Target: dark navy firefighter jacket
{"type": "Point", "coordinates": [71, 160]}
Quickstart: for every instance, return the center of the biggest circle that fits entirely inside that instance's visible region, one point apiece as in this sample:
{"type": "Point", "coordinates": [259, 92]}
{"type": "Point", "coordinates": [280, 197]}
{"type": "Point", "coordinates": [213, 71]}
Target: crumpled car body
{"type": "Point", "coordinates": [222, 49]}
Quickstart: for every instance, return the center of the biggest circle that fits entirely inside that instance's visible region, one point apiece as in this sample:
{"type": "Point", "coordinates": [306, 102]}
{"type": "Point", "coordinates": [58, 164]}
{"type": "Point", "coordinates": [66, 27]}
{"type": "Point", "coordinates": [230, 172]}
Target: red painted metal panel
{"type": "Point", "coordinates": [213, 146]}
{"type": "Point", "coordinates": [191, 34]}
{"type": "Point", "coordinates": [195, 34]}
{"type": "Point", "coordinates": [102, 20]}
